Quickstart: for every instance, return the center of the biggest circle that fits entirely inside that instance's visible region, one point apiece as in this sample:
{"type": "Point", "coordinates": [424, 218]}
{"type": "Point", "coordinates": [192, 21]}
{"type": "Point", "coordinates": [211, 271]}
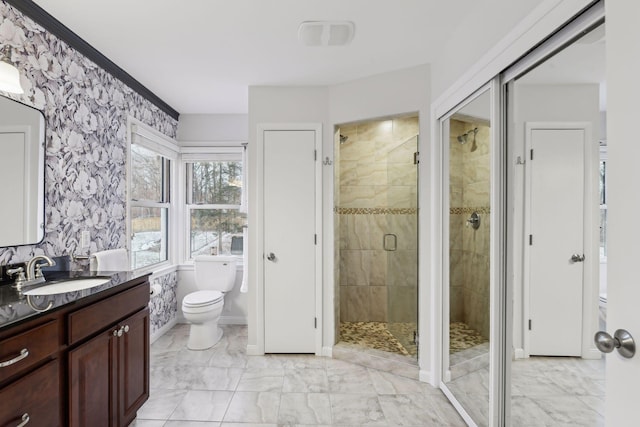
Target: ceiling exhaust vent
{"type": "Point", "coordinates": [326, 33]}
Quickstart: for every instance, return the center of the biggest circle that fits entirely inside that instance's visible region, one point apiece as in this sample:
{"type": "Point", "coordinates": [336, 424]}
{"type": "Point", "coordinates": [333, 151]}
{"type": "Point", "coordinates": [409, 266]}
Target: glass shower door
{"type": "Point", "coordinates": [400, 242]}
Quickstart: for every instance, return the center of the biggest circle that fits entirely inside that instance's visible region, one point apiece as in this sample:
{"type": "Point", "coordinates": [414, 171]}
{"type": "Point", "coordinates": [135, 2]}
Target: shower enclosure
{"type": "Point", "coordinates": [376, 234]}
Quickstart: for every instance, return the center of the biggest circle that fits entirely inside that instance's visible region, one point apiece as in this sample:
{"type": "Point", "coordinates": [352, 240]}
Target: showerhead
{"type": "Point", "coordinates": [463, 139]}
{"type": "Point", "coordinates": [343, 139]}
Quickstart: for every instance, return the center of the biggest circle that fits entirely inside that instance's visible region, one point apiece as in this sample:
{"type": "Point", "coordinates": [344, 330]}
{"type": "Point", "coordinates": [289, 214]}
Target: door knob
{"type": "Point", "coordinates": [577, 258]}
{"type": "Point", "coordinates": [622, 340]}
{"type": "Point", "coordinates": [271, 256]}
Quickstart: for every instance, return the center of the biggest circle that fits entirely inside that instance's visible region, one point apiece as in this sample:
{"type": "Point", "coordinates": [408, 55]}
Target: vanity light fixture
{"type": "Point", "coordinates": [326, 33]}
{"type": "Point", "coordinates": [9, 75]}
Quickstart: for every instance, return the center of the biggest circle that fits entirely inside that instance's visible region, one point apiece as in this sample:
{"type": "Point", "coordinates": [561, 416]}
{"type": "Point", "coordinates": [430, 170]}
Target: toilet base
{"type": "Point", "coordinates": [203, 336]}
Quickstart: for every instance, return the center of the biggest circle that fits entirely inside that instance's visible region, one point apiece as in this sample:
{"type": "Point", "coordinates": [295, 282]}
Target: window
{"type": "Point", "coordinates": [603, 208]}
{"type": "Point", "coordinates": [214, 199]}
{"type": "Point", "coordinates": [150, 189]}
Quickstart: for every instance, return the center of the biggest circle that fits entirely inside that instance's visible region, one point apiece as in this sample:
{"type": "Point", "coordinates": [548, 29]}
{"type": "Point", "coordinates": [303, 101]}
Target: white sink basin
{"type": "Point", "coordinates": [68, 286]}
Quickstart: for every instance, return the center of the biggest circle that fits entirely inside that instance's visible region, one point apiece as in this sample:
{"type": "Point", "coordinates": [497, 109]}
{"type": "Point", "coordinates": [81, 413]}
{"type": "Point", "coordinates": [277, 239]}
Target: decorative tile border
{"type": "Point", "coordinates": [468, 210]}
{"type": "Point", "coordinates": [375, 211]}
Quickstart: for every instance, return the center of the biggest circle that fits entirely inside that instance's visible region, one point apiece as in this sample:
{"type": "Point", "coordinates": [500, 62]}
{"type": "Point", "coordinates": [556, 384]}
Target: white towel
{"type": "Point", "coordinates": [110, 260]}
{"type": "Point", "coordinates": [244, 288]}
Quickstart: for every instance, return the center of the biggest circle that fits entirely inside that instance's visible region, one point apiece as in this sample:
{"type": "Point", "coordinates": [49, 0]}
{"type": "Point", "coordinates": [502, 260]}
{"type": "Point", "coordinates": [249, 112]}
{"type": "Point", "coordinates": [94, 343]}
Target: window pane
{"type": "Point", "coordinates": [603, 233]}
{"type": "Point", "coordinates": [603, 183]}
{"type": "Point", "coordinates": [216, 183]}
{"type": "Point", "coordinates": [149, 228]}
{"type": "Point", "coordinates": [212, 230]}
{"type": "Point", "coordinates": [146, 174]}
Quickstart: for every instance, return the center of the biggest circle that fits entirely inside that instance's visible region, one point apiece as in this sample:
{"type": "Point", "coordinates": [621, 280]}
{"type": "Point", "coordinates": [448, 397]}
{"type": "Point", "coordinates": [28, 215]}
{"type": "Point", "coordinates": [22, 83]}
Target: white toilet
{"type": "Point", "coordinates": [214, 276]}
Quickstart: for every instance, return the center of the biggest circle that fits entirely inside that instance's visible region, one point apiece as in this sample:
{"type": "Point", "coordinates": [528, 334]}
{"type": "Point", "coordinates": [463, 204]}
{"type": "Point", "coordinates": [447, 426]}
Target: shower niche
{"type": "Point", "coordinates": [376, 235]}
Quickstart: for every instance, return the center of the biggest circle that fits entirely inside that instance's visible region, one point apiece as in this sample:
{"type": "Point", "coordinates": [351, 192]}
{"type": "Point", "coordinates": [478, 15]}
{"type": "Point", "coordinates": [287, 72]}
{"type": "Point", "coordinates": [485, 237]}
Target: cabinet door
{"type": "Point", "coordinates": [92, 381]}
{"type": "Point", "coordinates": [34, 398]}
{"type": "Point", "coordinates": [133, 366]}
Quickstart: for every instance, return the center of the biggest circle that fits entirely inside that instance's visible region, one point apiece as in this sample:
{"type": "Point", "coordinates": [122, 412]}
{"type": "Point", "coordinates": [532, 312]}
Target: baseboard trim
{"type": "Point", "coordinates": [232, 320]}
{"type": "Point", "coordinates": [327, 351]}
{"type": "Point", "coordinates": [425, 377]}
{"type": "Point", "coordinates": [252, 350]}
{"type": "Point", "coordinates": [163, 330]}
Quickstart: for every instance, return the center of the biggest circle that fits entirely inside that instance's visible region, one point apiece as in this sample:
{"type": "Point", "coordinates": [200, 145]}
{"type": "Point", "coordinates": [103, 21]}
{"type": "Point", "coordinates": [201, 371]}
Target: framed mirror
{"type": "Point", "coordinates": [21, 173]}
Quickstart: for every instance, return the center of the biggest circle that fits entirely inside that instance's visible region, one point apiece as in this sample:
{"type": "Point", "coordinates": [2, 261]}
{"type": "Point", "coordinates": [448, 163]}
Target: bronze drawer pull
{"type": "Point", "coordinates": [23, 353]}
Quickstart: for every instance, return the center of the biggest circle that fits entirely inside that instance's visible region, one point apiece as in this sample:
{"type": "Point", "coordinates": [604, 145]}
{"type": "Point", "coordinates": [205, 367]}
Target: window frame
{"type": "Point", "coordinates": [199, 154]}
{"type": "Point", "coordinates": [140, 134]}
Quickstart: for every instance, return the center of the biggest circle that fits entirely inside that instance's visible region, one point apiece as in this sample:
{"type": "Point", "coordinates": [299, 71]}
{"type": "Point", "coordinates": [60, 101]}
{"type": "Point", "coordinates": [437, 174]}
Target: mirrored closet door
{"type": "Point", "coordinates": [469, 291]}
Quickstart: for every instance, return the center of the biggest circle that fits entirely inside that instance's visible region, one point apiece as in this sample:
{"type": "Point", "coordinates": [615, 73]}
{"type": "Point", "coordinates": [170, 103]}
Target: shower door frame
{"type": "Point", "coordinates": [498, 293]}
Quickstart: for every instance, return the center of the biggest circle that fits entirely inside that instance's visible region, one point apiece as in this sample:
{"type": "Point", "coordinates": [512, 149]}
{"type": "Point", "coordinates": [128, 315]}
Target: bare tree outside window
{"type": "Point", "coordinates": [214, 191]}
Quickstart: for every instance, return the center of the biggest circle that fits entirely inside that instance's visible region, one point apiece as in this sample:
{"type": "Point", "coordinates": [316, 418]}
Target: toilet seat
{"type": "Point", "coordinates": [202, 299]}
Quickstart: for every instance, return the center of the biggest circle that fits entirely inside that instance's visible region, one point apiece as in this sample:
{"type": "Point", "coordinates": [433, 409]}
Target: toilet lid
{"type": "Point", "coordinates": [201, 298]}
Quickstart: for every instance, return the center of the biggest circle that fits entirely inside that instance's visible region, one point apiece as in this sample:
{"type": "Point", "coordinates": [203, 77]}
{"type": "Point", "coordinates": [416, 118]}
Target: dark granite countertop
{"type": "Point", "coordinates": [16, 307]}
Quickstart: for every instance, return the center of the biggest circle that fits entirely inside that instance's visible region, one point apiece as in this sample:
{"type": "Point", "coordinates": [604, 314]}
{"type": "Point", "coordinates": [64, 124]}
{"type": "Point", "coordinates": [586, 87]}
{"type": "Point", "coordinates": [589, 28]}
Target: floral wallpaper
{"type": "Point", "coordinates": [163, 307]}
{"type": "Point", "coordinates": [86, 111]}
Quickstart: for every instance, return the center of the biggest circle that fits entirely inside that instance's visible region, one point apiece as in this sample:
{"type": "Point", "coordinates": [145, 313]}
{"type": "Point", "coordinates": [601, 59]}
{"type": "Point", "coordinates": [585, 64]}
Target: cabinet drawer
{"type": "Point", "coordinates": [36, 396]}
{"type": "Point", "coordinates": [96, 317]}
{"type": "Point", "coordinates": [22, 351]}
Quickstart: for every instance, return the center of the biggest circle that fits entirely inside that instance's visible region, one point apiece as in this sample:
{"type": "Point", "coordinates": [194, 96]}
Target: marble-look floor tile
{"type": "Point", "coordinates": [357, 409]}
{"type": "Point", "coordinates": [304, 408]}
{"type": "Point", "coordinates": [409, 410]}
{"type": "Point", "coordinates": [446, 411]}
{"type": "Point", "coordinates": [148, 423]}
{"type": "Point", "coordinates": [200, 405]}
{"type": "Point", "coordinates": [386, 383]}
{"type": "Point", "coordinates": [305, 381]}
{"type": "Point", "coordinates": [194, 378]}
{"type": "Point", "coordinates": [253, 407]}
{"type": "Point", "coordinates": [161, 404]}
{"type": "Point", "coordinates": [353, 380]}
{"type": "Point", "coordinates": [192, 424]}
{"type": "Point", "coordinates": [247, 425]}
{"type": "Point", "coordinates": [526, 412]}
{"type": "Point", "coordinates": [568, 409]}
{"type": "Point", "coordinates": [261, 380]}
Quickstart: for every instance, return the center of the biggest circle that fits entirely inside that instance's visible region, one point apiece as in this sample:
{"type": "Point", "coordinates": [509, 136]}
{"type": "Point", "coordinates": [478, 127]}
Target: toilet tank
{"type": "Point", "coordinates": [215, 272]}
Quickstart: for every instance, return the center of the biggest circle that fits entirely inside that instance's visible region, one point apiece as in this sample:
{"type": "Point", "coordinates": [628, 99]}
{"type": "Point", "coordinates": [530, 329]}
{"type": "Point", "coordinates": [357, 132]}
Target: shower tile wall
{"type": "Point", "coordinates": [377, 193]}
{"type": "Point", "coordinates": [469, 248]}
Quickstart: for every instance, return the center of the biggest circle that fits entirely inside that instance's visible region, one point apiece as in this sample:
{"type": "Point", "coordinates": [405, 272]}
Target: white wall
{"type": "Point", "coordinates": [205, 130]}
{"type": "Point", "coordinates": [477, 33]}
{"type": "Point", "coordinates": [383, 95]}
{"type": "Point", "coordinates": [551, 103]}
{"type": "Point", "coordinates": [213, 127]}
{"type": "Point", "coordinates": [272, 104]}
{"type": "Point", "coordinates": [389, 94]}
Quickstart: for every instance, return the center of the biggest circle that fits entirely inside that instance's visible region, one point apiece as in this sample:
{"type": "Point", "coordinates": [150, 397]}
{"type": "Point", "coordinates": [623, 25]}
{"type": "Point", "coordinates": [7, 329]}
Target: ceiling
{"type": "Point", "coordinates": [200, 56]}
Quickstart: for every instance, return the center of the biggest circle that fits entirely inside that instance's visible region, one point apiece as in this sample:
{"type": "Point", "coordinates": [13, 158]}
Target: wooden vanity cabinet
{"type": "Point", "coordinates": [109, 373]}
{"type": "Point", "coordinates": [84, 365]}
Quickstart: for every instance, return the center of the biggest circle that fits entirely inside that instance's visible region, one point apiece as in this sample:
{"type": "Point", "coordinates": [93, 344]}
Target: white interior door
{"type": "Point", "coordinates": [556, 232]}
{"type": "Point", "coordinates": [289, 241]}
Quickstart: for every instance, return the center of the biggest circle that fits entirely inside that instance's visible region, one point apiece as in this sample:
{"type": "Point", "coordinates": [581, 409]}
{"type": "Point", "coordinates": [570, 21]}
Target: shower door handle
{"type": "Point", "coordinates": [390, 242]}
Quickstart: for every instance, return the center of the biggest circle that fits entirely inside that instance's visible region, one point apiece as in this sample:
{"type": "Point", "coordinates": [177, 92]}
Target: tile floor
{"type": "Point", "coordinates": [545, 391]}
{"type": "Point", "coordinates": [223, 387]}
